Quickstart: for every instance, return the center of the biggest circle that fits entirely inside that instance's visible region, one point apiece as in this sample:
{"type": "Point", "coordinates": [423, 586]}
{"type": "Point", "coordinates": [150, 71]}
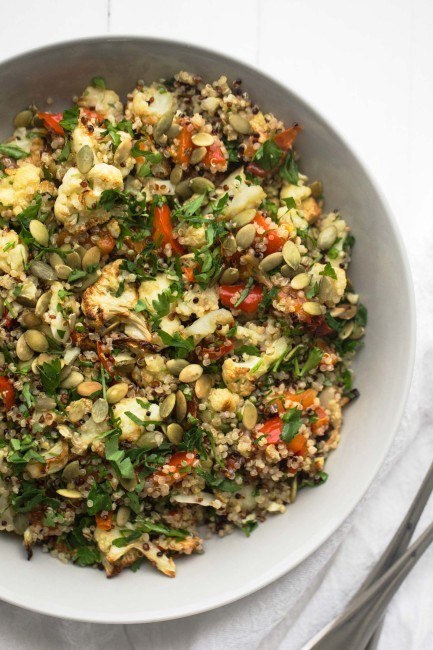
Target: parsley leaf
{"type": "Point", "coordinates": [244, 292]}
{"type": "Point", "coordinates": [70, 118]}
{"type": "Point", "coordinates": [289, 170]}
{"type": "Point", "coordinates": [292, 423]}
{"type": "Point", "coordinates": [183, 346]}
{"type": "Point", "coordinates": [99, 82]}
{"type": "Point", "coordinates": [116, 456]}
{"type": "Point", "coordinates": [64, 154]}
{"type": "Point", "coordinates": [11, 151]}
{"type": "Point", "coordinates": [249, 526]}
{"type": "Point", "coordinates": [218, 482]}
{"type": "Point", "coordinates": [50, 375]}
{"type": "Point", "coordinates": [329, 271]}
{"type": "Point", "coordinates": [269, 155]}
{"type": "Point", "coordinates": [313, 360]}
{"type": "Point", "coordinates": [98, 498]}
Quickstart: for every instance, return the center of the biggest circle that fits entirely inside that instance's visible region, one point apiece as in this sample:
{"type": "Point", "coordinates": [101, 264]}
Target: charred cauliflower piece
{"type": "Point", "coordinates": [19, 187]}
{"type": "Point", "coordinates": [61, 313]}
{"type": "Point", "coordinates": [132, 430]}
{"type": "Point", "coordinates": [103, 101]}
{"type": "Point", "coordinates": [13, 254]}
{"type": "Point", "coordinates": [150, 104]}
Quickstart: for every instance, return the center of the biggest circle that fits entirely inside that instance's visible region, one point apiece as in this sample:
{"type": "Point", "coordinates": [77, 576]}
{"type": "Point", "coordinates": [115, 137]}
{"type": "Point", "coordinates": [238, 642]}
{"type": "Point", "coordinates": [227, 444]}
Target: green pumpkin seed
{"type": "Point", "coordinates": [202, 139]}
{"type": "Point", "coordinates": [23, 118]}
{"type": "Point", "coordinates": [198, 155]}
{"type": "Point", "coordinates": [72, 470]}
{"type": "Point", "coordinates": [326, 289]}
{"type": "Point", "coordinates": [73, 260]}
{"type": "Point", "coordinates": [100, 410]}
{"type": "Point", "coordinates": [181, 406]}
{"type": "Point", "coordinates": [201, 185]}
{"type": "Point", "coordinates": [183, 190]}
{"type": "Point", "coordinates": [36, 340]}
{"type": "Point", "coordinates": [244, 217]}
{"type": "Point", "coordinates": [150, 439]}
{"type": "Point", "coordinates": [21, 523]}
{"type": "Point", "coordinates": [122, 151]}
{"type": "Point", "coordinates": [30, 320]}
{"type": "Point", "coordinates": [39, 232]}
{"type": "Point", "coordinates": [63, 271]}
{"type": "Point", "coordinates": [229, 245]}
{"type": "Point", "coordinates": [175, 433]}
{"type": "Point", "coordinates": [42, 271]}
{"type": "Point", "coordinates": [173, 131]}
{"type": "Point", "coordinates": [45, 404]}
{"type": "Point", "coordinates": [55, 259]}
{"type": "Point", "coordinates": [291, 254]}
{"type": "Point", "coordinates": [316, 188]}
{"type": "Point", "coordinates": [163, 125]}
{"type": "Point", "coordinates": [353, 298]}
{"type": "Point", "coordinates": [174, 366]}
{"type": "Point", "coordinates": [286, 271]}
{"type": "Point", "coordinates": [116, 392]}
{"type": "Point", "coordinates": [358, 332]}
{"type": "Point", "coordinates": [91, 257]}
{"type": "Point", "coordinates": [312, 308]}
{"type": "Point", "coordinates": [327, 238]}
{"type": "Point", "coordinates": [203, 386]}
{"type": "Point", "coordinates": [24, 352]}
{"type": "Point", "coordinates": [176, 175]}
{"type": "Point", "coordinates": [270, 262]}
{"type": "Point", "coordinates": [87, 282]}
{"type": "Point", "coordinates": [293, 490]}
{"type": "Point", "coordinates": [345, 312]}
{"type": "Point", "coordinates": [191, 373]}
{"type": "Point", "coordinates": [122, 516]}
{"type": "Point", "coordinates": [245, 236]}
{"type": "Point", "coordinates": [249, 415]}
{"type": "Point", "coordinates": [300, 281]}
{"type": "Point", "coordinates": [73, 380]}
{"type": "Point", "coordinates": [347, 330]}
{"type": "Point", "coordinates": [230, 276]}
{"type": "Point", "coordinates": [70, 494]}
{"type": "Point", "coordinates": [167, 406]}
{"type": "Point", "coordinates": [240, 124]}
{"type": "Point", "coordinates": [85, 159]}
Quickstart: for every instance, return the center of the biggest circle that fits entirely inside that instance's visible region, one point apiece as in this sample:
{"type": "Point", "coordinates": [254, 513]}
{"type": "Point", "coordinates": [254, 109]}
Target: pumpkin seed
{"type": "Point", "coordinates": [72, 470]}
{"type": "Point", "coordinates": [240, 124]}
{"type": "Point", "coordinates": [167, 406]}
{"type": "Point", "coordinates": [73, 380]}
{"type": "Point", "coordinates": [63, 271]}
{"type": "Point", "coordinates": [358, 332]}
{"type": "Point", "coordinates": [326, 289]}
{"type": "Point", "coordinates": [173, 131]}
{"type": "Point", "coordinates": [24, 353]}
{"type": "Point", "coordinates": [316, 188]}
{"type": "Point", "coordinates": [203, 386]}
{"type": "Point", "coordinates": [345, 312]}
{"type": "Point", "coordinates": [122, 516]}
{"type": "Point", "coordinates": [312, 308]}
{"type": "Point", "coordinates": [21, 522]}
{"type": "Point", "coordinates": [191, 373]}
{"type": "Point", "coordinates": [85, 159]}
{"type": "Point", "coordinates": [197, 155]}
{"type": "Point", "coordinates": [181, 406]}
{"type": "Point", "coordinates": [100, 410]}
{"type": "Point", "coordinates": [202, 139]}
{"type": "Point", "coordinates": [23, 118]}
{"type": "Point", "coordinates": [244, 217]}
{"type": "Point", "coordinates": [55, 259]}
{"type": "Point", "coordinates": [245, 236]}
{"type": "Point", "coordinates": [293, 490]}
{"type": "Point", "coordinates": [270, 262]}
{"type": "Point", "coordinates": [70, 494]}
{"type": "Point", "coordinates": [300, 281]}
{"type": "Point", "coordinates": [42, 271]}
{"type": "Point", "coordinates": [229, 245]}
{"type": "Point", "coordinates": [129, 484]}
{"type": "Point", "coordinates": [122, 151]}
{"type": "Point", "coordinates": [327, 238]}
{"type": "Point", "coordinates": [65, 372]}
{"type": "Point", "coordinates": [230, 276]}
{"type": "Point", "coordinates": [73, 260]}
{"type": "Point", "coordinates": [163, 125]}
{"type": "Point", "coordinates": [2, 306]}
{"type": "Point", "coordinates": [30, 320]}
{"type": "Point", "coordinates": [286, 271]}
{"type": "Point", "coordinates": [249, 415]}
{"type": "Point", "coordinates": [353, 298]}
{"type": "Point", "coordinates": [116, 392]}
{"type": "Point", "coordinates": [176, 175]}
{"type": "Point", "coordinates": [174, 366]}
{"type": "Point", "coordinates": [201, 185]}
{"type": "Point", "coordinates": [346, 331]}
{"type": "Point", "coordinates": [183, 190]}
{"type": "Point", "coordinates": [291, 254]}
{"type": "Point", "coordinates": [91, 257]}
{"type": "Point", "coordinates": [45, 404]}
{"type": "Point", "coordinates": [87, 388]}
{"type": "Point", "coordinates": [175, 433]}
{"type": "Point", "coordinates": [36, 340]}
{"type": "Point", "coordinates": [87, 282]}
{"type": "Point", "coordinates": [39, 231]}
{"type": "Point", "coordinates": [150, 439]}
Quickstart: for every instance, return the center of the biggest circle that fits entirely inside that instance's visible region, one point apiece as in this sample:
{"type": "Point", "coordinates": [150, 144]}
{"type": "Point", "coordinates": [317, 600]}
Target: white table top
{"type": "Point", "coordinates": [367, 68]}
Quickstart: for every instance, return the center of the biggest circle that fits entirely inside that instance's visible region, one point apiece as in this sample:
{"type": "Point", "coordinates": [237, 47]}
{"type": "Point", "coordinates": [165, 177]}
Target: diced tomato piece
{"type": "Point", "coordinates": [216, 350]}
{"type": "Point", "coordinates": [189, 272]}
{"type": "Point", "coordinates": [104, 522]}
{"type": "Point", "coordinates": [322, 420]}
{"type": "Point", "coordinates": [286, 138]}
{"type": "Point", "coordinates": [272, 429]}
{"type": "Point", "coordinates": [163, 228]}
{"type": "Point", "coordinates": [93, 115]}
{"type": "Point", "coordinates": [214, 156]}
{"type": "Point", "coordinates": [298, 445]}
{"type": "Point", "coordinates": [249, 305]}
{"type": "Point", "coordinates": [105, 359]}
{"type": "Point", "coordinates": [306, 398]}
{"type": "Point", "coordinates": [181, 461]}
{"type": "Point", "coordinates": [274, 243]}
{"type": "Point", "coordinates": [7, 392]}
{"type": "Point", "coordinates": [185, 145]}
{"type": "Point", "coordinates": [51, 122]}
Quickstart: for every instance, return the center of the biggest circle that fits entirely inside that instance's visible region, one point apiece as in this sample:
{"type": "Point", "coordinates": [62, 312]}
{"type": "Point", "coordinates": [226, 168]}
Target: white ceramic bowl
{"type": "Point", "coordinates": [235, 566]}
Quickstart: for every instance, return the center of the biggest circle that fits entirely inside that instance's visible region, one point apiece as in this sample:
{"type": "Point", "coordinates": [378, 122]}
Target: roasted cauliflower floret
{"type": "Point", "coordinates": [103, 101]}
{"type": "Point", "coordinates": [222, 399]}
{"type": "Point", "coordinates": [122, 158]}
{"type": "Point", "coordinates": [197, 301]}
{"type": "Point", "coordinates": [207, 324]}
{"type": "Point", "coordinates": [191, 236]}
{"type": "Point", "coordinates": [150, 290]}
{"type": "Point", "coordinates": [19, 187]}
{"type": "Point", "coordinates": [149, 104]}
{"type": "Point", "coordinates": [61, 314]}
{"type": "Point", "coordinates": [243, 196]}
{"type": "Point", "coordinates": [76, 205]}
{"type": "Point", "coordinates": [131, 430]}
{"type": "Point", "coordinates": [331, 289]}
{"type": "Point", "coordinates": [13, 254]}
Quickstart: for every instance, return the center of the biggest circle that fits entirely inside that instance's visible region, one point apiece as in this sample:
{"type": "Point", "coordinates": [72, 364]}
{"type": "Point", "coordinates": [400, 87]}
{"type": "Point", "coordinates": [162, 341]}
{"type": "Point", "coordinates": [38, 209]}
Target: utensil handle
{"type": "Point", "coordinates": [354, 627]}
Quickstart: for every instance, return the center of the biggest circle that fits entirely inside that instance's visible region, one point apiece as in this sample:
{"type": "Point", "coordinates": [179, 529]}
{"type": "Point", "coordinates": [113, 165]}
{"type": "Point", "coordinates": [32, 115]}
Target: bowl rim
{"type": "Point", "coordinates": [276, 571]}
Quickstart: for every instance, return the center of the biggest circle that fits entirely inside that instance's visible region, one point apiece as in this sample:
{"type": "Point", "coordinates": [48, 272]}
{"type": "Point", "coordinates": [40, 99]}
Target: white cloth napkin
{"type": "Point", "coordinates": [287, 613]}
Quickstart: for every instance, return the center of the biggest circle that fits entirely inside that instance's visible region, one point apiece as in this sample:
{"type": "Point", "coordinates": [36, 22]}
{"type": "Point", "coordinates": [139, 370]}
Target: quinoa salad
{"type": "Point", "coordinates": [176, 322]}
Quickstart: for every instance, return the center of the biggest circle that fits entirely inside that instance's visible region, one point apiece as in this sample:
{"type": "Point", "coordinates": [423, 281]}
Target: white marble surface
{"type": "Point", "coordinates": [367, 67]}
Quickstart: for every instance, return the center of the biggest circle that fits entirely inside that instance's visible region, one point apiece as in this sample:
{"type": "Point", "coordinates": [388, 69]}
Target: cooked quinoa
{"type": "Point", "coordinates": [176, 322]}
